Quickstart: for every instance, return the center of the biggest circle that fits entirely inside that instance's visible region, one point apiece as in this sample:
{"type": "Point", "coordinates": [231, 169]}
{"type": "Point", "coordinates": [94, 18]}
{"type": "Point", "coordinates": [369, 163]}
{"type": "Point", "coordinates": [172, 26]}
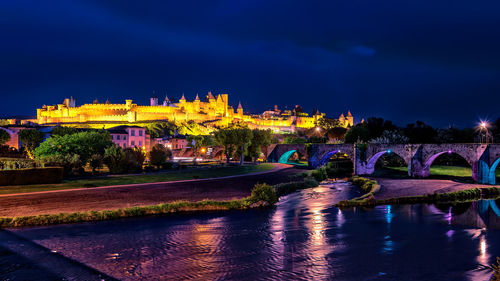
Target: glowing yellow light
{"type": "Point", "coordinates": [203, 150]}
{"type": "Point", "coordinates": [317, 129]}
{"type": "Point", "coordinates": [483, 124]}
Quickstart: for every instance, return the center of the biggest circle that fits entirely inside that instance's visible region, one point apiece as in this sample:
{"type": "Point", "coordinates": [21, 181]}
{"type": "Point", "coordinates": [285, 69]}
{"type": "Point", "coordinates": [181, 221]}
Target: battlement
{"type": "Point", "coordinates": [217, 110]}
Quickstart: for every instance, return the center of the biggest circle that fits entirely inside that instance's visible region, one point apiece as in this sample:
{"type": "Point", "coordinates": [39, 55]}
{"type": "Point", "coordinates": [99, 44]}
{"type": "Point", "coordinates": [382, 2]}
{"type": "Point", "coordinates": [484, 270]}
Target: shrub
{"type": "Point", "coordinates": [319, 174]}
{"type": "Point", "coordinates": [4, 137]}
{"type": "Point", "coordinates": [71, 163]}
{"type": "Point", "coordinates": [289, 187]}
{"type": "Point", "coordinates": [96, 162]}
{"type": "Point", "coordinates": [158, 155]}
{"type": "Point", "coordinates": [264, 192]}
{"type": "Point", "coordinates": [114, 157]}
{"type": "Point", "coordinates": [496, 271]}
{"type": "Point", "coordinates": [120, 161]}
{"type": "Point", "coordinates": [167, 165]}
{"type": "Point", "coordinates": [31, 176]}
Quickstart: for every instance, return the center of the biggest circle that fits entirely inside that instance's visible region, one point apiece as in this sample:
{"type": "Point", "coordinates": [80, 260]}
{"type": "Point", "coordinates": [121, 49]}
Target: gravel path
{"type": "Point", "coordinates": [391, 188]}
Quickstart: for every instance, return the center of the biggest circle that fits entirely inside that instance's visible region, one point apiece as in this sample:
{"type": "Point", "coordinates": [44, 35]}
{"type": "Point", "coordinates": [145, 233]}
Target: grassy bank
{"type": "Point", "coordinates": [146, 178]}
{"type": "Point", "coordinates": [262, 195]}
{"type": "Point", "coordinates": [439, 171]}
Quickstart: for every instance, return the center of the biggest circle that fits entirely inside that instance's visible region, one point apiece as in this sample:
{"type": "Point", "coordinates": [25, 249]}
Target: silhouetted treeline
{"type": "Point", "coordinates": [378, 130]}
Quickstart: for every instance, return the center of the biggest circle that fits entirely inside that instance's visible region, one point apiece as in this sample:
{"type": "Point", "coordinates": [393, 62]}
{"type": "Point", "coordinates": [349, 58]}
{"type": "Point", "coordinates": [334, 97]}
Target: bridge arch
{"type": "Point", "coordinates": [370, 164]}
{"type": "Point", "coordinates": [428, 162]}
{"type": "Point", "coordinates": [286, 156]}
{"type": "Point", "coordinates": [491, 172]}
{"type": "Point", "coordinates": [326, 157]}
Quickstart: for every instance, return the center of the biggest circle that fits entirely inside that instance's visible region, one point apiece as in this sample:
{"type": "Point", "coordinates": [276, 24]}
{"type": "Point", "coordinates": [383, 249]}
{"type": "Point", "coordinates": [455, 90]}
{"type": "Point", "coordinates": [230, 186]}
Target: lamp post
{"type": "Point", "coordinates": [483, 131]}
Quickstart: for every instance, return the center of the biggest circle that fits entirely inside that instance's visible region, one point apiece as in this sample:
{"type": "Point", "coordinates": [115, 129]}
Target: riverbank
{"type": "Point", "coordinates": [160, 177]}
{"type": "Point", "coordinates": [121, 197]}
{"type": "Point", "coordinates": [262, 195]}
{"type": "Point", "coordinates": [415, 191]}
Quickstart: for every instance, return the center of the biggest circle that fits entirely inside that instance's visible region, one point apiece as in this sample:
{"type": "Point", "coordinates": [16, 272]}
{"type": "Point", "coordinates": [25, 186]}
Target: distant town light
{"type": "Point", "coordinates": [203, 150]}
{"type": "Point", "coordinates": [317, 129]}
{"type": "Point", "coordinates": [389, 151]}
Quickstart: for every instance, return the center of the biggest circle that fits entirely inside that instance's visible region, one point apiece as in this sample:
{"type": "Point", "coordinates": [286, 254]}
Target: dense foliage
{"type": "Point", "coordinates": [31, 139]}
{"type": "Point", "coordinates": [4, 137]}
{"type": "Point", "coordinates": [159, 154]}
{"type": "Point", "coordinates": [73, 151]}
{"type": "Point", "coordinates": [123, 161]}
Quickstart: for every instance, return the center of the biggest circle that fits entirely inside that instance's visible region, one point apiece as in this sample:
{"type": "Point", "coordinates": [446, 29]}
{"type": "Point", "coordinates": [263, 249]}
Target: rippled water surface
{"type": "Point", "coordinates": [303, 238]}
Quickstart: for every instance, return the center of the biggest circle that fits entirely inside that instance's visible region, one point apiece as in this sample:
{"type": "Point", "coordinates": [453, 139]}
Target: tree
{"type": "Point", "coordinates": [329, 123]}
{"type": "Point", "coordinates": [455, 135]}
{"type": "Point", "coordinates": [260, 138]}
{"type": "Point", "coordinates": [377, 126]}
{"type": "Point", "coordinates": [294, 140]}
{"type": "Point", "coordinates": [337, 133]}
{"type": "Point", "coordinates": [114, 158]}
{"type": "Point", "coordinates": [128, 160]}
{"type": "Point", "coordinates": [62, 131]}
{"type": "Point", "coordinates": [31, 139]}
{"type": "Point", "coordinates": [420, 133]}
{"type": "Point", "coordinates": [96, 162]}
{"type": "Point", "coordinates": [243, 138]}
{"type": "Point", "coordinates": [357, 133]}
{"type": "Point", "coordinates": [160, 129]}
{"type": "Point", "coordinates": [197, 143]}
{"type": "Point", "coordinates": [158, 155]}
{"type": "Point", "coordinates": [4, 137]}
{"type": "Point", "coordinates": [390, 136]}
{"type": "Point", "coordinates": [83, 144]}
{"type": "Point", "coordinates": [226, 139]}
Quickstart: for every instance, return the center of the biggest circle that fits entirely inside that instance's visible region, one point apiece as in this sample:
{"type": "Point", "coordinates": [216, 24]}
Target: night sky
{"type": "Point", "coordinates": [401, 60]}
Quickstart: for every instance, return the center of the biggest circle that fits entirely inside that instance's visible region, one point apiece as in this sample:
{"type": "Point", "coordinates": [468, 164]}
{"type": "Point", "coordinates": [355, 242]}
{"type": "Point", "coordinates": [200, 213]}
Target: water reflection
{"type": "Point", "coordinates": [303, 238]}
{"type": "Point", "coordinates": [480, 214]}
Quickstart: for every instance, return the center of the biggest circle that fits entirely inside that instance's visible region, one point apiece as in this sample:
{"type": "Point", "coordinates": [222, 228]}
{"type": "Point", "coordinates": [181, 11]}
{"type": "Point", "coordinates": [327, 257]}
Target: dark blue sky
{"type": "Point", "coordinates": [401, 60]}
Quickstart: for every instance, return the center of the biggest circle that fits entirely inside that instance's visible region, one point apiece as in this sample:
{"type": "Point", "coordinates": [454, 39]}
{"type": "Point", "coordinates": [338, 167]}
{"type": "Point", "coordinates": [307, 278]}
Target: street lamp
{"type": "Point", "coordinates": [484, 132]}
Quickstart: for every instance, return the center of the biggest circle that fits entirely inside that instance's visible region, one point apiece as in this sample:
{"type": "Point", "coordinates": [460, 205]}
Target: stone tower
{"type": "Point", "coordinates": [154, 99]}
{"type": "Point", "coordinates": [239, 110]}
{"type": "Point", "coordinates": [350, 119]}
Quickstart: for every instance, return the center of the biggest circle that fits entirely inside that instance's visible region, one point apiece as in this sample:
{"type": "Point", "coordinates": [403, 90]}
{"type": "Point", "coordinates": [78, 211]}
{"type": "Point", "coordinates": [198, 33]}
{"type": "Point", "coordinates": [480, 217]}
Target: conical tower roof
{"type": "Point", "coordinates": [349, 114]}
{"type": "Point", "coordinates": [239, 105]}
{"type": "Point", "coordinates": [210, 96]}
{"type": "Point", "coordinates": [183, 98]}
{"type": "Point", "coordinates": [197, 98]}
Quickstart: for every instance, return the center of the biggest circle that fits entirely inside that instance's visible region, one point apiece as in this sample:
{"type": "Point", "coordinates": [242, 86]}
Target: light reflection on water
{"type": "Point", "coordinates": [303, 238]}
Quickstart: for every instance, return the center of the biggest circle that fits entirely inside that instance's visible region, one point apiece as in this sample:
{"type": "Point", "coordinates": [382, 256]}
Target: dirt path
{"type": "Point", "coordinates": [391, 188]}
{"type": "Point", "coordinates": [138, 194]}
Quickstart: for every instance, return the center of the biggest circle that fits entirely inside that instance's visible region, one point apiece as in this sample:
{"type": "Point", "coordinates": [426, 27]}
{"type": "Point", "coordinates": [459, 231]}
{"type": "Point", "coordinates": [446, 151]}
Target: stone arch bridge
{"type": "Point", "coordinates": [483, 158]}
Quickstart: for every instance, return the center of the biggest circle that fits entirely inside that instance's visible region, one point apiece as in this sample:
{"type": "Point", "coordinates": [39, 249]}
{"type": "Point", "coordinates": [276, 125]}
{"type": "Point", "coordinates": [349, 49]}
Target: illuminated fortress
{"type": "Point", "coordinates": [212, 111]}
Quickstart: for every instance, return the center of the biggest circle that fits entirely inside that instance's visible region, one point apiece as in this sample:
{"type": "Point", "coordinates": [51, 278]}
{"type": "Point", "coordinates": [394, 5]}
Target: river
{"type": "Point", "coordinates": [303, 238]}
